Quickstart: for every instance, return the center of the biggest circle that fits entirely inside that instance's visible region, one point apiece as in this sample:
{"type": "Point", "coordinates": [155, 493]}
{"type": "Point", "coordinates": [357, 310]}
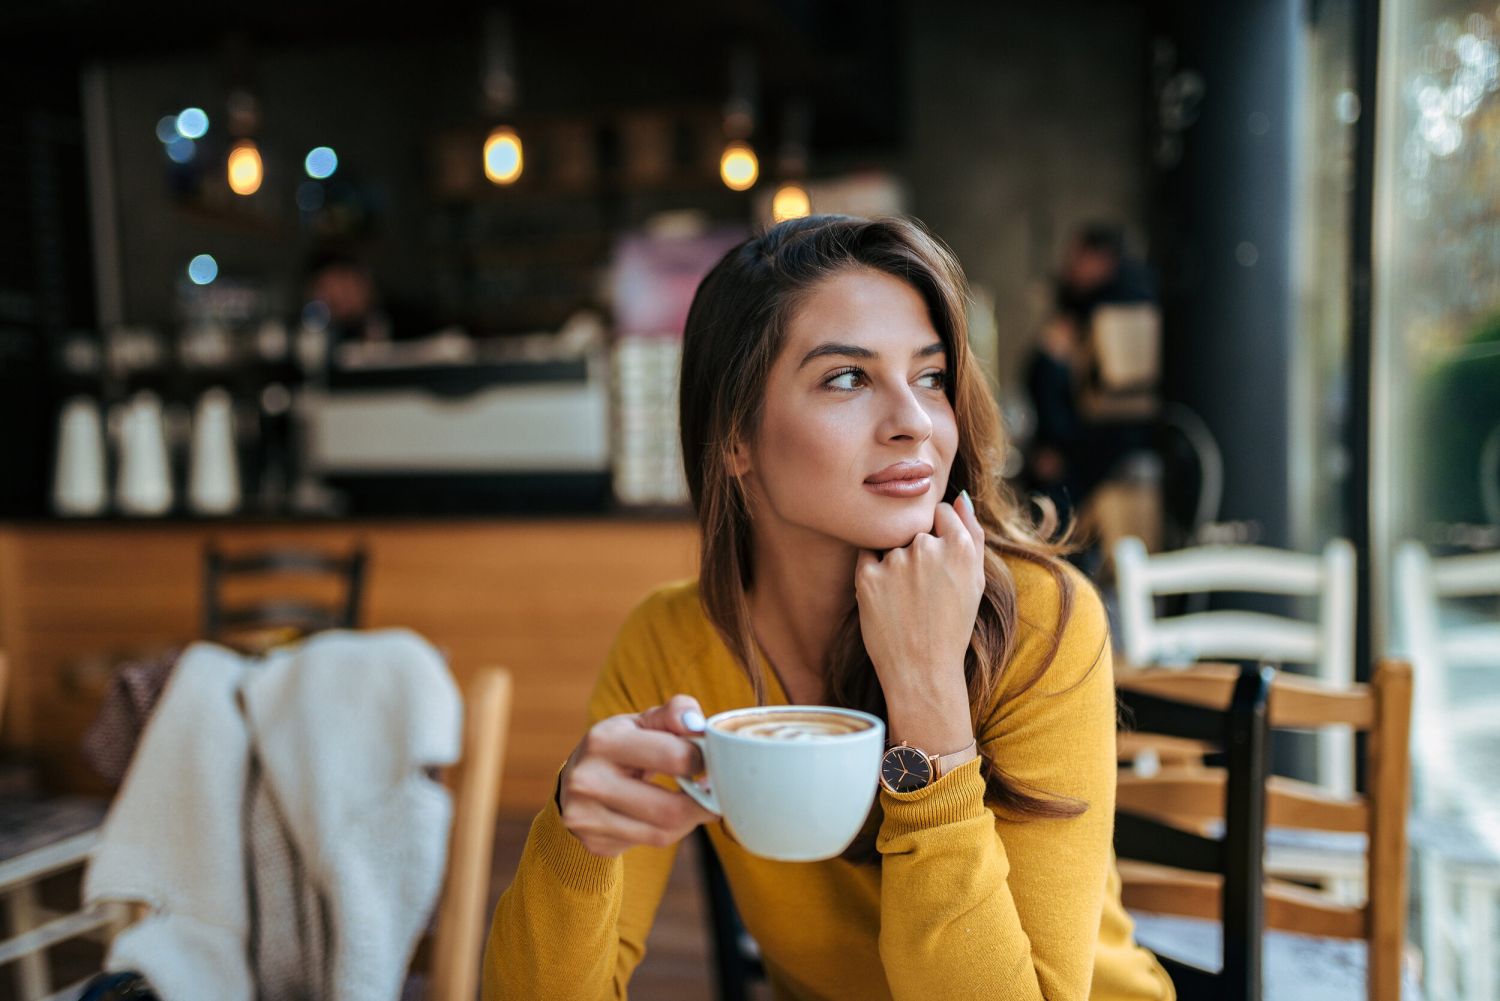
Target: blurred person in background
{"type": "Point", "coordinates": [1072, 451]}
{"type": "Point", "coordinates": [340, 285]}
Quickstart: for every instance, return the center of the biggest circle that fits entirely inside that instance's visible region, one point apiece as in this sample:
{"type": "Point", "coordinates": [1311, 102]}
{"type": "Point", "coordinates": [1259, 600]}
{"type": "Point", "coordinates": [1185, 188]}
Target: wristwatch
{"type": "Point", "coordinates": [906, 769]}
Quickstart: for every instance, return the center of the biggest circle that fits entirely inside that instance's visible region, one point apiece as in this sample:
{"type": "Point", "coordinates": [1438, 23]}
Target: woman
{"type": "Point", "coordinates": [829, 403]}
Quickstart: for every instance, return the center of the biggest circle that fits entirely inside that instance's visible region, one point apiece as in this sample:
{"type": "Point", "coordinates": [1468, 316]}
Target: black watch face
{"type": "Point", "coordinates": [905, 769]}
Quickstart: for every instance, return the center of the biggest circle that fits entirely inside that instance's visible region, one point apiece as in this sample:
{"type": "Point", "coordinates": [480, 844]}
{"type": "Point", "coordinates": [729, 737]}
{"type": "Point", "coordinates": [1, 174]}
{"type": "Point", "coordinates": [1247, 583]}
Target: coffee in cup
{"type": "Point", "coordinates": [793, 783]}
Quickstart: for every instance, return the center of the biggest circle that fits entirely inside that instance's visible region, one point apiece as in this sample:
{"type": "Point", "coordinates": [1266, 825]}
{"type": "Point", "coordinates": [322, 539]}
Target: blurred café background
{"type": "Point", "coordinates": [405, 284]}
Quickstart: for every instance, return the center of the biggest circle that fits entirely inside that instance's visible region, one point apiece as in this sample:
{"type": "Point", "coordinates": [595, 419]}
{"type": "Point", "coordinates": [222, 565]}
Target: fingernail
{"type": "Point", "coordinates": [693, 720]}
{"type": "Point", "coordinates": [965, 495]}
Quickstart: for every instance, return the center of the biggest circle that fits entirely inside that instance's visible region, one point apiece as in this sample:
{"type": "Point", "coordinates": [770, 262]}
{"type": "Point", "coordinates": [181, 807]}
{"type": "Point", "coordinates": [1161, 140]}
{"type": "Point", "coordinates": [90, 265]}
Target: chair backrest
{"type": "Point", "coordinates": [1191, 798]}
{"type": "Point", "coordinates": [458, 939]}
{"type": "Point", "coordinates": [1327, 644]}
{"type": "Point", "coordinates": [295, 614]}
{"type": "Point", "coordinates": [1148, 841]}
{"type": "Point", "coordinates": [1436, 648]}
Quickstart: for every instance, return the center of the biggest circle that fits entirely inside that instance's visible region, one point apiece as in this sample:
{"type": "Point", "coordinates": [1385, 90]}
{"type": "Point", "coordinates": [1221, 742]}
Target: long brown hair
{"type": "Point", "coordinates": [735, 330]}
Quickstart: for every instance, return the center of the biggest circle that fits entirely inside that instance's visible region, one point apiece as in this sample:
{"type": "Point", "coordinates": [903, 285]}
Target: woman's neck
{"type": "Point", "coordinates": [803, 590]}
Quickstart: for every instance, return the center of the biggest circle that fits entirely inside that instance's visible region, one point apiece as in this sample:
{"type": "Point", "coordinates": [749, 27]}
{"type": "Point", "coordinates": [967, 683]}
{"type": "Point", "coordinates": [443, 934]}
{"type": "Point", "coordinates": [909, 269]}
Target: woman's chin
{"type": "Point", "coordinates": [894, 532]}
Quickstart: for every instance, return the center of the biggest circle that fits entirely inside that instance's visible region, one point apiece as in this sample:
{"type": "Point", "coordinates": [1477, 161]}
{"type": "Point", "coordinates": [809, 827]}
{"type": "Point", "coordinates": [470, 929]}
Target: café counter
{"type": "Point", "coordinates": [540, 596]}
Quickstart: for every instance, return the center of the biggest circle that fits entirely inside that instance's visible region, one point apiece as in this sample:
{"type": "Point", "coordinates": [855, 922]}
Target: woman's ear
{"type": "Point", "coordinates": [737, 459]}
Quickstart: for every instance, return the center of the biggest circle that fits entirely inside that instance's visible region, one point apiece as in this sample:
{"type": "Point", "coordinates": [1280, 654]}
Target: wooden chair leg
{"type": "Point", "coordinates": [33, 979]}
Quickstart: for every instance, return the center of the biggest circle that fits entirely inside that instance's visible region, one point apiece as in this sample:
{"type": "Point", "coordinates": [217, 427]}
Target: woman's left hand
{"type": "Point", "coordinates": [917, 608]}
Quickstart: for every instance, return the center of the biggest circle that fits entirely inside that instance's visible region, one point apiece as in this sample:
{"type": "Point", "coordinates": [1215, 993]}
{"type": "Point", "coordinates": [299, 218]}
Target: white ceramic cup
{"type": "Point", "coordinates": [790, 800]}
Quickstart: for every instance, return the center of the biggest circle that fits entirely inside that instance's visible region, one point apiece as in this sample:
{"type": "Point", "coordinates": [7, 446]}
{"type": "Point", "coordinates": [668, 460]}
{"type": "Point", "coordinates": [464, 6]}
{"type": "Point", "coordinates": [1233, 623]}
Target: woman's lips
{"type": "Point", "coordinates": [901, 488]}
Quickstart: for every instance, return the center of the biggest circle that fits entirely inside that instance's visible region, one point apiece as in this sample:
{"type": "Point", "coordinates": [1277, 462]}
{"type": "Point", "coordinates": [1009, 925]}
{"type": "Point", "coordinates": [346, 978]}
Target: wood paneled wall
{"type": "Point", "coordinates": [541, 597]}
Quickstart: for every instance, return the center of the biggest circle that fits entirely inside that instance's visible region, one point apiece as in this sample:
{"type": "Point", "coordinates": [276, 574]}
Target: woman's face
{"type": "Point", "coordinates": [857, 435]}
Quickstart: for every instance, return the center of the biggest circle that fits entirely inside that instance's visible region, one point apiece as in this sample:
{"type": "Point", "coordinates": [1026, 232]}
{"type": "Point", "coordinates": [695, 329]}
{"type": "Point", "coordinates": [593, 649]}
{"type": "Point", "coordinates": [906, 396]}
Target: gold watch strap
{"type": "Point", "coordinates": [946, 763]}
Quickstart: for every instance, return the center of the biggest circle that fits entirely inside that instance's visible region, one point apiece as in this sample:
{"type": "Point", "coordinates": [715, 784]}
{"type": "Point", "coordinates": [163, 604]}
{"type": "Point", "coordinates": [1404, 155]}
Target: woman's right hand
{"type": "Point", "coordinates": [606, 794]}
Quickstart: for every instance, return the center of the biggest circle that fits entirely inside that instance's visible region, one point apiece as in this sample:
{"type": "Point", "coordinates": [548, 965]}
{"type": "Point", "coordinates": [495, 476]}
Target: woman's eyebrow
{"type": "Point", "coordinates": [828, 348]}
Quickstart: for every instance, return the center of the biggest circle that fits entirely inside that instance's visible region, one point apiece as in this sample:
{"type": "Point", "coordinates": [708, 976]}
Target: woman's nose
{"type": "Point", "coordinates": [906, 419]}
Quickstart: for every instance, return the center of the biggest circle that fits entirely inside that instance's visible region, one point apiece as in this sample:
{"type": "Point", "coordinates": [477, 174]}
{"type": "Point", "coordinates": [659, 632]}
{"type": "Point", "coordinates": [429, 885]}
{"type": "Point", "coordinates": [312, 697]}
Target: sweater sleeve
{"type": "Point", "coordinates": [977, 901]}
{"type": "Point", "coordinates": [573, 925]}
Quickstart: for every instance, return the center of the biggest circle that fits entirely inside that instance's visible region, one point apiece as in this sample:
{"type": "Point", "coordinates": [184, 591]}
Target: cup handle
{"type": "Point", "coordinates": [701, 794]}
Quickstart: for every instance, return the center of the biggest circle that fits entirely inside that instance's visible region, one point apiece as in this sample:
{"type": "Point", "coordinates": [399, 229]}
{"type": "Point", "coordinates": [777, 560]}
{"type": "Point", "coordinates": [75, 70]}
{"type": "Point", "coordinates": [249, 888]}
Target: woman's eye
{"type": "Point", "coordinates": [852, 378]}
{"type": "Point", "coordinates": [848, 378]}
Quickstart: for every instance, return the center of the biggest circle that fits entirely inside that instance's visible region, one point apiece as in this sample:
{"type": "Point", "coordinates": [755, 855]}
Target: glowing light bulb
{"type": "Point", "coordinates": [791, 201]}
{"type": "Point", "coordinates": [738, 166]}
{"type": "Point", "coordinates": [245, 170]}
{"type": "Point", "coordinates": [502, 156]}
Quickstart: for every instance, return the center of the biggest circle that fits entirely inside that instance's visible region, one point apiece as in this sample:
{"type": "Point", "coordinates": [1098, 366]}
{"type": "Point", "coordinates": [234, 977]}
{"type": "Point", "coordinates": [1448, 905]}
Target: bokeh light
{"type": "Point", "coordinates": [245, 171]}
{"type": "Point", "coordinates": [321, 162]}
{"type": "Point", "coordinates": [791, 201]}
{"type": "Point", "coordinates": [166, 128]}
{"type": "Point", "coordinates": [203, 269]}
{"type": "Point", "coordinates": [192, 123]}
{"type": "Point", "coordinates": [502, 156]}
{"type": "Point", "coordinates": [181, 150]}
{"type": "Point", "coordinates": [738, 166]}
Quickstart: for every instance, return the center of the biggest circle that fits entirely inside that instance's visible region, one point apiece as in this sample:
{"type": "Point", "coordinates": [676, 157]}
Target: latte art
{"type": "Point", "coordinates": [793, 726]}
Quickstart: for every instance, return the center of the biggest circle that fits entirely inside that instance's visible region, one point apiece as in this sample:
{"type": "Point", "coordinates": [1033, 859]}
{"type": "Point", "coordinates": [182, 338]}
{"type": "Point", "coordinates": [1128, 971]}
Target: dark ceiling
{"type": "Point", "coordinates": [844, 57]}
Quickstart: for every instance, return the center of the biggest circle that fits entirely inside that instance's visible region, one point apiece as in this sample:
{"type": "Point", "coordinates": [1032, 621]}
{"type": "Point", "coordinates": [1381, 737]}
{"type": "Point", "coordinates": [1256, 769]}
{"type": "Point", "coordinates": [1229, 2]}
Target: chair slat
{"type": "Point", "coordinates": [1159, 713]}
{"type": "Point", "coordinates": [1296, 703]}
{"type": "Point", "coordinates": [285, 561]}
{"type": "Point", "coordinates": [57, 930]}
{"type": "Point", "coordinates": [1230, 634]}
{"type": "Point", "coordinates": [1130, 745]}
{"type": "Point", "coordinates": [280, 612]}
{"type": "Point", "coordinates": [1140, 837]}
{"type": "Point", "coordinates": [1294, 908]}
{"type": "Point", "coordinates": [1234, 568]}
{"type": "Point", "coordinates": [1192, 795]}
{"type": "Point", "coordinates": [1161, 889]}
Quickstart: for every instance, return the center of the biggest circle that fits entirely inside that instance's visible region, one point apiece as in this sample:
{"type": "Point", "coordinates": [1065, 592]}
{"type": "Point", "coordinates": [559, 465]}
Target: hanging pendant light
{"type": "Point", "coordinates": [504, 158]}
{"type": "Point", "coordinates": [792, 199]}
{"type": "Point", "coordinates": [739, 167]}
{"type": "Point", "coordinates": [245, 168]}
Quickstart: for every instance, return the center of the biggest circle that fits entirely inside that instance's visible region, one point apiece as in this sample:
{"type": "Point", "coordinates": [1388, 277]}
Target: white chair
{"type": "Point", "coordinates": [1457, 829]}
{"type": "Point", "coordinates": [1326, 644]}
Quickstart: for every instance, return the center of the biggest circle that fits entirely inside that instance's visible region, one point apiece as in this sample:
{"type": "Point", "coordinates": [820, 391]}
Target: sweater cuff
{"type": "Point", "coordinates": [575, 866]}
{"type": "Point", "coordinates": [954, 798]}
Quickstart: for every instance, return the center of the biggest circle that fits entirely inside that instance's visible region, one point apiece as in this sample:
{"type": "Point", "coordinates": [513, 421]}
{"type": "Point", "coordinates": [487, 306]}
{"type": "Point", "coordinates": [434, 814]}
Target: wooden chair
{"type": "Point", "coordinates": [1191, 799]}
{"type": "Point", "coordinates": [1458, 856]}
{"type": "Point", "coordinates": [290, 616]}
{"type": "Point", "coordinates": [736, 956]}
{"type": "Point", "coordinates": [1147, 841]}
{"type": "Point", "coordinates": [1327, 643]}
{"type": "Point", "coordinates": [42, 837]}
{"type": "Point", "coordinates": [463, 909]}
{"type": "Point", "coordinates": [449, 960]}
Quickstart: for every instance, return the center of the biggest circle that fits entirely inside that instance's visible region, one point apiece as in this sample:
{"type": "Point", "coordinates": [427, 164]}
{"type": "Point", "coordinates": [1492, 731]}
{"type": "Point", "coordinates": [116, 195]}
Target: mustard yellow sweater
{"type": "Point", "coordinates": [966, 903]}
